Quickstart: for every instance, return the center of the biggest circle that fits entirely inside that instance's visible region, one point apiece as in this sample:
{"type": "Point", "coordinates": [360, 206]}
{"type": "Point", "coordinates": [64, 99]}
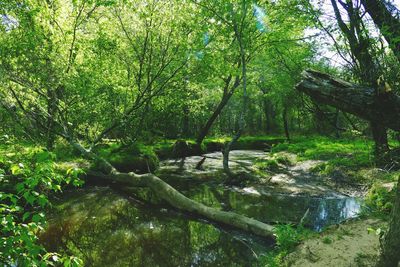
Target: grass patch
{"type": "Point", "coordinates": [287, 238]}
{"type": "Point", "coordinates": [340, 152]}
{"type": "Point", "coordinates": [379, 200]}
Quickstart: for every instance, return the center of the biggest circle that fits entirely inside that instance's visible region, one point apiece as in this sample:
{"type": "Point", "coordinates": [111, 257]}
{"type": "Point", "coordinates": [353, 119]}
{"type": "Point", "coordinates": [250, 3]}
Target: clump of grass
{"type": "Point", "coordinates": [379, 200]}
{"type": "Point", "coordinates": [271, 165]}
{"type": "Point", "coordinates": [339, 152]}
{"type": "Point", "coordinates": [287, 238]}
{"type": "Point", "coordinates": [327, 240]}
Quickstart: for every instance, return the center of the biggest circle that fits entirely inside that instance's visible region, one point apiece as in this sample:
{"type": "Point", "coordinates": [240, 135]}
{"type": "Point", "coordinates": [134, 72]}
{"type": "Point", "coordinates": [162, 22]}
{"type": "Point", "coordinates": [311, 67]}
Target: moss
{"type": "Point", "coordinates": [138, 157]}
{"type": "Point", "coordinates": [327, 240]}
{"type": "Point", "coordinates": [245, 142]}
{"type": "Point", "coordinates": [345, 156]}
{"type": "Point", "coordinates": [379, 199]}
{"type": "Point", "coordinates": [268, 165]}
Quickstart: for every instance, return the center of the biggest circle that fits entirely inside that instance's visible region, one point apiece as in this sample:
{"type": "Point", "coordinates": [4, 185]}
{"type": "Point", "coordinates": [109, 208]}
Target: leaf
{"type": "Point", "coordinates": [36, 218]}
{"type": "Point", "coordinates": [20, 187]}
{"type": "Point", "coordinates": [15, 169]}
{"type": "Point", "coordinates": [25, 216]}
{"type": "Point", "coordinates": [29, 197]}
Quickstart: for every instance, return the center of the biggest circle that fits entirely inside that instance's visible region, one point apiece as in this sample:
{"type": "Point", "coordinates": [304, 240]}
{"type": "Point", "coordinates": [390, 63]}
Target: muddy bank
{"type": "Point", "coordinates": [354, 243]}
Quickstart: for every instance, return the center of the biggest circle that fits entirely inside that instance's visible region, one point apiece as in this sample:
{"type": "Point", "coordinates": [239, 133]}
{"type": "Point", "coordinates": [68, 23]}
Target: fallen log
{"type": "Point", "coordinates": [181, 202]}
{"type": "Point", "coordinates": [172, 196]}
{"type": "Point", "coordinates": [372, 104]}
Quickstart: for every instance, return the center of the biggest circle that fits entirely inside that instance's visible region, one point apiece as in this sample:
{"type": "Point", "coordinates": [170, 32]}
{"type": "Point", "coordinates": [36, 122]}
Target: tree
{"type": "Point", "coordinates": [360, 46]}
{"type": "Point", "coordinates": [386, 21]}
{"type": "Point", "coordinates": [355, 99]}
{"type": "Point", "coordinates": [154, 56]}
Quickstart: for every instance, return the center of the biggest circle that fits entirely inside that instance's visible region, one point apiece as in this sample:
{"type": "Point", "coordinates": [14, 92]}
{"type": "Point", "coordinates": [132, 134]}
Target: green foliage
{"type": "Point", "coordinates": [287, 238]}
{"type": "Point", "coordinates": [327, 240]}
{"type": "Point", "coordinates": [348, 153]}
{"type": "Point", "coordinates": [268, 165]}
{"type": "Point", "coordinates": [379, 200]}
{"type": "Point", "coordinates": [136, 157]}
{"type": "Point", "coordinates": [28, 175]}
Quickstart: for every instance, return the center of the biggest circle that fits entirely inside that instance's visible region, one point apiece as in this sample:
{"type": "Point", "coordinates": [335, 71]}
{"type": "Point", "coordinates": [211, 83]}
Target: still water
{"type": "Point", "coordinates": [108, 228]}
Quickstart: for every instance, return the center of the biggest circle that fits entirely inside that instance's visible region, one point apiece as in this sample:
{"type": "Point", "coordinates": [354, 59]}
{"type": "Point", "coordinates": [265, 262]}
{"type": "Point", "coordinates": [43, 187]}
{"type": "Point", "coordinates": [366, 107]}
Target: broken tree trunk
{"type": "Point", "coordinates": [172, 196]}
{"type": "Point", "coordinates": [380, 106]}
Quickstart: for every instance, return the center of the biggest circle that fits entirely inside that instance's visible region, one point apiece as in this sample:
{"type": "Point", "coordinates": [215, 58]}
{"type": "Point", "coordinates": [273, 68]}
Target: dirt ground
{"type": "Point", "coordinates": [352, 244]}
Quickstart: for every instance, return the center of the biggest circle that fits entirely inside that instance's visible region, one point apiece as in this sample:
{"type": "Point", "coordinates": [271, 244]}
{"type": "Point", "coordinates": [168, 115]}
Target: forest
{"type": "Point", "coordinates": [200, 133]}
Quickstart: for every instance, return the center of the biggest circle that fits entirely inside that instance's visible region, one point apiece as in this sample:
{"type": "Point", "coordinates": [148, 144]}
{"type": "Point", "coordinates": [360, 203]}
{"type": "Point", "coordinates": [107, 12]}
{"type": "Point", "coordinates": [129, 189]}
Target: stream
{"type": "Point", "coordinates": [108, 228]}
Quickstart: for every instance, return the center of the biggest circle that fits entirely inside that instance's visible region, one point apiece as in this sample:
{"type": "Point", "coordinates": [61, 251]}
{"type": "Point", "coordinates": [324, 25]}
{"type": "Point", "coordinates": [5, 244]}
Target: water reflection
{"type": "Point", "coordinates": [277, 207]}
{"type": "Point", "coordinates": [334, 210]}
{"type": "Point", "coordinates": [105, 229]}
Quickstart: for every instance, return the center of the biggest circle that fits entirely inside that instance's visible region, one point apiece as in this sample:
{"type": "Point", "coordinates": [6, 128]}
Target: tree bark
{"type": "Point", "coordinates": [228, 92]}
{"type": "Point", "coordinates": [390, 256]}
{"type": "Point", "coordinates": [386, 22]}
{"type": "Point", "coordinates": [185, 122]}
{"type": "Point", "coordinates": [362, 101]}
{"type": "Point", "coordinates": [268, 110]}
{"type": "Point", "coordinates": [285, 123]}
{"type": "Point", "coordinates": [379, 134]}
{"type": "Point", "coordinates": [206, 128]}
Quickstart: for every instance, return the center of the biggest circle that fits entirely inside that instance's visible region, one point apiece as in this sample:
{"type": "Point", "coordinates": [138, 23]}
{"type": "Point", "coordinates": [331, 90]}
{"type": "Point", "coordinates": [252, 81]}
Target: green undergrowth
{"type": "Point", "coordinates": [379, 200]}
{"type": "Point", "coordinates": [287, 238]}
{"type": "Point", "coordinates": [28, 176]}
{"type": "Point", "coordinates": [341, 152]}
{"type": "Point", "coordinates": [343, 159]}
{"type": "Point", "coordinates": [137, 157]}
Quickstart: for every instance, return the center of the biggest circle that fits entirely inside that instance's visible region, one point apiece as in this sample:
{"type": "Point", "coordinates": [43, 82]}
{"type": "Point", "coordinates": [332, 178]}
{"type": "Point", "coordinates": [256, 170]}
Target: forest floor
{"type": "Point", "coordinates": [353, 243]}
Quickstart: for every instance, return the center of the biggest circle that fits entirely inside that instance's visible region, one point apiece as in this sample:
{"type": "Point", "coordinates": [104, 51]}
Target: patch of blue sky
{"type": "Point", "coordinates": [9, 22]}
{"type": "Point", "coordinates": [260, 15]}
{"type": "Point", "coordinates": [206, 38]}
{"type": "Point", "coordinates": [199, 55]}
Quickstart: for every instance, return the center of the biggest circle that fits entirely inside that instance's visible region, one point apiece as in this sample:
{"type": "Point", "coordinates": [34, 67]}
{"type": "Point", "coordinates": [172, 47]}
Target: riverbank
{"type": "Point", "coordinates": [353, 243]}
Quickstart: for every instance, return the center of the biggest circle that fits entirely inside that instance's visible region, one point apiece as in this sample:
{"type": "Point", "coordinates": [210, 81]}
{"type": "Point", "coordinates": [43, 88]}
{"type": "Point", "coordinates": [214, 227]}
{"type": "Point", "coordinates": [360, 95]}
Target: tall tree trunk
{"type": "Point", "coordinates": [225, 154]}
{"type": "Point", "coordinates": [267, 112]}
{"type": "Point", "coordinates": [51, 110]}
{"type": "Point", "coordinates": [285, 123]}
{"type": "Point", "coordinates": [241, 121]}
{"type": "Point", "coordinates": [360, 46]}
{"type": "Point", "coordinates": [185, 122]}
{"type": "Point", "coordinates": [379, 134]}
{"type": "Point", "coordinates": [206, 128]}
{"type": "Point", "coordinates": [228, 92]}
{"type": "Point", "coordinates": [390, 248]}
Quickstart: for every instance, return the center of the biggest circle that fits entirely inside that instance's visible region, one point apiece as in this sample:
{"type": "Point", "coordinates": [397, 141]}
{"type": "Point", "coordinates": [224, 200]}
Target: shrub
{"type": "Point", "coordinates": [27, 177]}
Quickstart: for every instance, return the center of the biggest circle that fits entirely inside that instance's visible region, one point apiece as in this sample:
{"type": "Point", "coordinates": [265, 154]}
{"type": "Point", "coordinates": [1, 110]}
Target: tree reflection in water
{"type": "Point", "coordinates": [105, 229]}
